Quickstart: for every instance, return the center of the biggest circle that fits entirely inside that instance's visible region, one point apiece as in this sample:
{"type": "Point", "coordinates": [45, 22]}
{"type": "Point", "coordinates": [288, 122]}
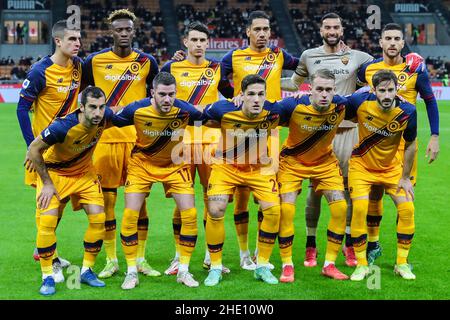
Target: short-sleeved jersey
{"type": "Point", "coordinates": [198, 85]}
{"type": "Point", "coordinates": [157, 134]}
{"type": "Point", "coordinates": [379, 131]}
{"type": "Point", "coordinates": [72, 144]}
{"type": "Point", "coordinates": [344, 66]}
{"type": "Point", "coordinates": [268, 64]}
{"type": "Point", "coordinates": [52, 89]}
{"type": "Point", "coordinates": [409, 83]}
{"type": "Point", "coordinates": [244, 140]}
{"type": "Point", "coordinates": [124, 80]}
{"type": "Point", "coordinates": [311, 132]}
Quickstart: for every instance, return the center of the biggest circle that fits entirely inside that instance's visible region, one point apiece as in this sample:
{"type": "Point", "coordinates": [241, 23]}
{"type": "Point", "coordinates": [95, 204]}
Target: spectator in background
{"type": "Point", "coordinates": [445, 80]}
{"type": "Point", "coordinates": [415, 35]}
{"type": "Point", "coordinates": [19, 33]}
{"type": "Point", "coordinates": [24, 33]}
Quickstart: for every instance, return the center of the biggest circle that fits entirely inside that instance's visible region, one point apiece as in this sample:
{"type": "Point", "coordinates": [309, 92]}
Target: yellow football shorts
{"type": "Point", "coordinates": [83, 189]}
{"type": "Point", "coordinates": [225, 178]}
{"type": "Point", "coordinates": [324, 176]}
{"type": "Point", "coordinates": [141, 175]}
{"type": "Point", "coordinates": [360, 179]}
{"type": "Point", "coordinates": [110, 162]}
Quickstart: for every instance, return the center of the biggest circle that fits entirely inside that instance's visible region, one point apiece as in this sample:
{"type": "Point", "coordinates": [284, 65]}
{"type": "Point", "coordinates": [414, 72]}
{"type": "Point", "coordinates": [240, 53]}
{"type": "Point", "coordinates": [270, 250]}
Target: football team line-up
{"type": "Point", "coordinates": [135, 120]}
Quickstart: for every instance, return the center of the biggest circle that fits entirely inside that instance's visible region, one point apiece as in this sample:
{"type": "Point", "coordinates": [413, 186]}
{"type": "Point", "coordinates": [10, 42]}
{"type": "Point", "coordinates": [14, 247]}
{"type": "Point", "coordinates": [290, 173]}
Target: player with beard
{"type": "Point", "coordinates": [412, 79]}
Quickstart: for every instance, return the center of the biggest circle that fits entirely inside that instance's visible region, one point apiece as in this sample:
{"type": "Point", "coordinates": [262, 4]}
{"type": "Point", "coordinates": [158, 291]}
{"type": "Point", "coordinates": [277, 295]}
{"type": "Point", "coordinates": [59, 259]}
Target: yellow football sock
{"type": "Point", "coordinates": [215, 236]}
{"type": "Point", "coordinates": [142, 231]}
{"type": "Point", "coordinates": [188, 234]}
{"type": "Point", "coordinates": [241, 198]}
{"type": "Point", "coordinates": [359, 230]}
{"type": "Point", "coordinates": [405, 230]}
{"type": "Point", "coordinates": [374, 215]}
{"type": "Point", "coordinates": [46, 242]}
{"type": "Point", "coordinates": [110, 242]}
{"type": "Point", "coordinates": [176, 224]}
{"type": "Point", "coordinates": [286, 234]}
{"type": "Point", "coordinates": [268, 233]}
{"type": "Point", "coordinates": [93, 238]}
{"type": "Point", "coordinates": [336, 228]}
{"type": "Point", "coordinates": [129, 235]}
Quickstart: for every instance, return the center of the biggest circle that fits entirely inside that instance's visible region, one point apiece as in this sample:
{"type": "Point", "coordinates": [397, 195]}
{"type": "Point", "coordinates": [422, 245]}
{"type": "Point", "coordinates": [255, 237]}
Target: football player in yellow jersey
{"type": "Point", "coordinates": [159, 122]}
{"type": "Point", "coordinates": [383, 120]}
{"type": "Point", "coordinates": [199, 81]}
{"type": "Point", "coordinates": [268, 62]}
{"type": "Point", "coordinates": [125, 74]}
{"type": "Point", "coordinates": [62, 156]}
{"type": "Point", "coordinates": [242, 159]}
{"type": "Point", "coordinates": [307, 153]}
{"type": "Point", "coordinates": [50, 91]}
{"type": "Point", "coordinates": [412, 79]}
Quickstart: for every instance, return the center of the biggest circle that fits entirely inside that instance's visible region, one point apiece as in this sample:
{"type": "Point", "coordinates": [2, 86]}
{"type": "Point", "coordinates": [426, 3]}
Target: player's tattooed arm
{"type": "Point", "coordinates": [333, 195]}
{"type": "Point", "coordinates": [35, 159]}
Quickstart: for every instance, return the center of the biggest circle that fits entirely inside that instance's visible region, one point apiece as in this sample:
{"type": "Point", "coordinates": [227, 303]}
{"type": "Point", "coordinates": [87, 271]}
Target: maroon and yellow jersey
{"type": "Point", "coordinates": [244, 140]}
{"type": "Point", "coordinates": [380, 131]}
{"type": "Point", "coordinates": [268, 64]}
{"type": "Point", "coordinates": [197, 85]}
{"type": "Point", "coordinates": [50, 91]}
{"type": "Point", "coordinates": [72, 144]}
{"type": "Point", "coordinates": [409, 85]}
{"type": "Point", "coordinates": [311, 132]}
{"type": "Point", "coordinates": [157, 134]}
{"type": "Point", "coordinates": [124, 80]}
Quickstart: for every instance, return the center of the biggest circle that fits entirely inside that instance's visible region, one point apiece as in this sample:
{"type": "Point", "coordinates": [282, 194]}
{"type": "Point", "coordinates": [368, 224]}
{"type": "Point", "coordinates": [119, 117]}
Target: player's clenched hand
{"type": "Point", "coordinates": [28, 164]}
{"type": "Point", "coordinates": [237, 100]}
{"type": "Point", "coordinates": [47, 193]}
{"type": "Point", "coordinates": [406, 185]}
{"type": "Point", "coordinates": [179, 55]}
{"type": "Point", "coordinates": [433, 148]}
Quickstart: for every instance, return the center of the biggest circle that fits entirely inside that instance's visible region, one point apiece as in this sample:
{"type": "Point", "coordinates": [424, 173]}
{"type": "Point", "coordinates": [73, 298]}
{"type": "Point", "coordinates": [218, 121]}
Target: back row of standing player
{"type": "Point", "coordinates": [124, 73]}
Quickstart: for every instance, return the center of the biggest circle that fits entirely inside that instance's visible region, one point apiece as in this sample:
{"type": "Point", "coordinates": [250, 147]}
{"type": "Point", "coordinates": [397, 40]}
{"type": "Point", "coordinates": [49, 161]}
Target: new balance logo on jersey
{"type": "Point", "coordinates": [369, 118]}
{"type": "Point", "coordinates": [248, 58]}
{"type": "Point", "coordinates": [148, 124]}
{"type": "Point", "coordinates": [317, 61]}
{"type": "Point", "coordinates": [238, 125]}
{"type": "Point", "coordinates": [77, 142]}
{"type": "Point", "coordinates": [308, 118]}
{"type": "Point", "coordinates": [60, 80]}
{"type": "Point", "coordinates": [108, 66]}
{"type": "Point", "coordinates": [185, 74]}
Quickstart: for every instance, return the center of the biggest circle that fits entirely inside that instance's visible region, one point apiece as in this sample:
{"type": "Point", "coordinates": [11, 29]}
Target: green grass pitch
{"type": "Point", "coordinates": [20, 276]}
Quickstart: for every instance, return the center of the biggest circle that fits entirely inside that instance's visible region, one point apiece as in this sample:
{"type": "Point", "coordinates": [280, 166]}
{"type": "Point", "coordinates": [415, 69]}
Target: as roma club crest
{"type": "Point", "coordinates": [345, 59]}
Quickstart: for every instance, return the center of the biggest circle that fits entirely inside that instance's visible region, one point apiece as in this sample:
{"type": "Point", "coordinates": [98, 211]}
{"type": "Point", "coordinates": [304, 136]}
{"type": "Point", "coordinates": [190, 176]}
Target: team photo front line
{"type": "Point", "coordinates": [127, 131]}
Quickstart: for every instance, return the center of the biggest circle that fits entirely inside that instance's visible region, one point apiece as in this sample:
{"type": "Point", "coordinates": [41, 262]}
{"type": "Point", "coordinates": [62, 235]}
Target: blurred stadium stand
{"type": "Point", "coordinates": [295, 25]}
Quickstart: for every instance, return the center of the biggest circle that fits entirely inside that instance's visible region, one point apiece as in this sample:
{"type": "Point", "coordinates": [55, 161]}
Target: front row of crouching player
{"type": "Point", "coordinates": [245, 156]}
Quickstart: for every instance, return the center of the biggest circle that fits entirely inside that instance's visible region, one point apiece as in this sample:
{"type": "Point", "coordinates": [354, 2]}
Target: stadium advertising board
{"type": "Point", "coordinates": [10, 92]}
{"type": "Point", "coordinates": [222, 44]}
